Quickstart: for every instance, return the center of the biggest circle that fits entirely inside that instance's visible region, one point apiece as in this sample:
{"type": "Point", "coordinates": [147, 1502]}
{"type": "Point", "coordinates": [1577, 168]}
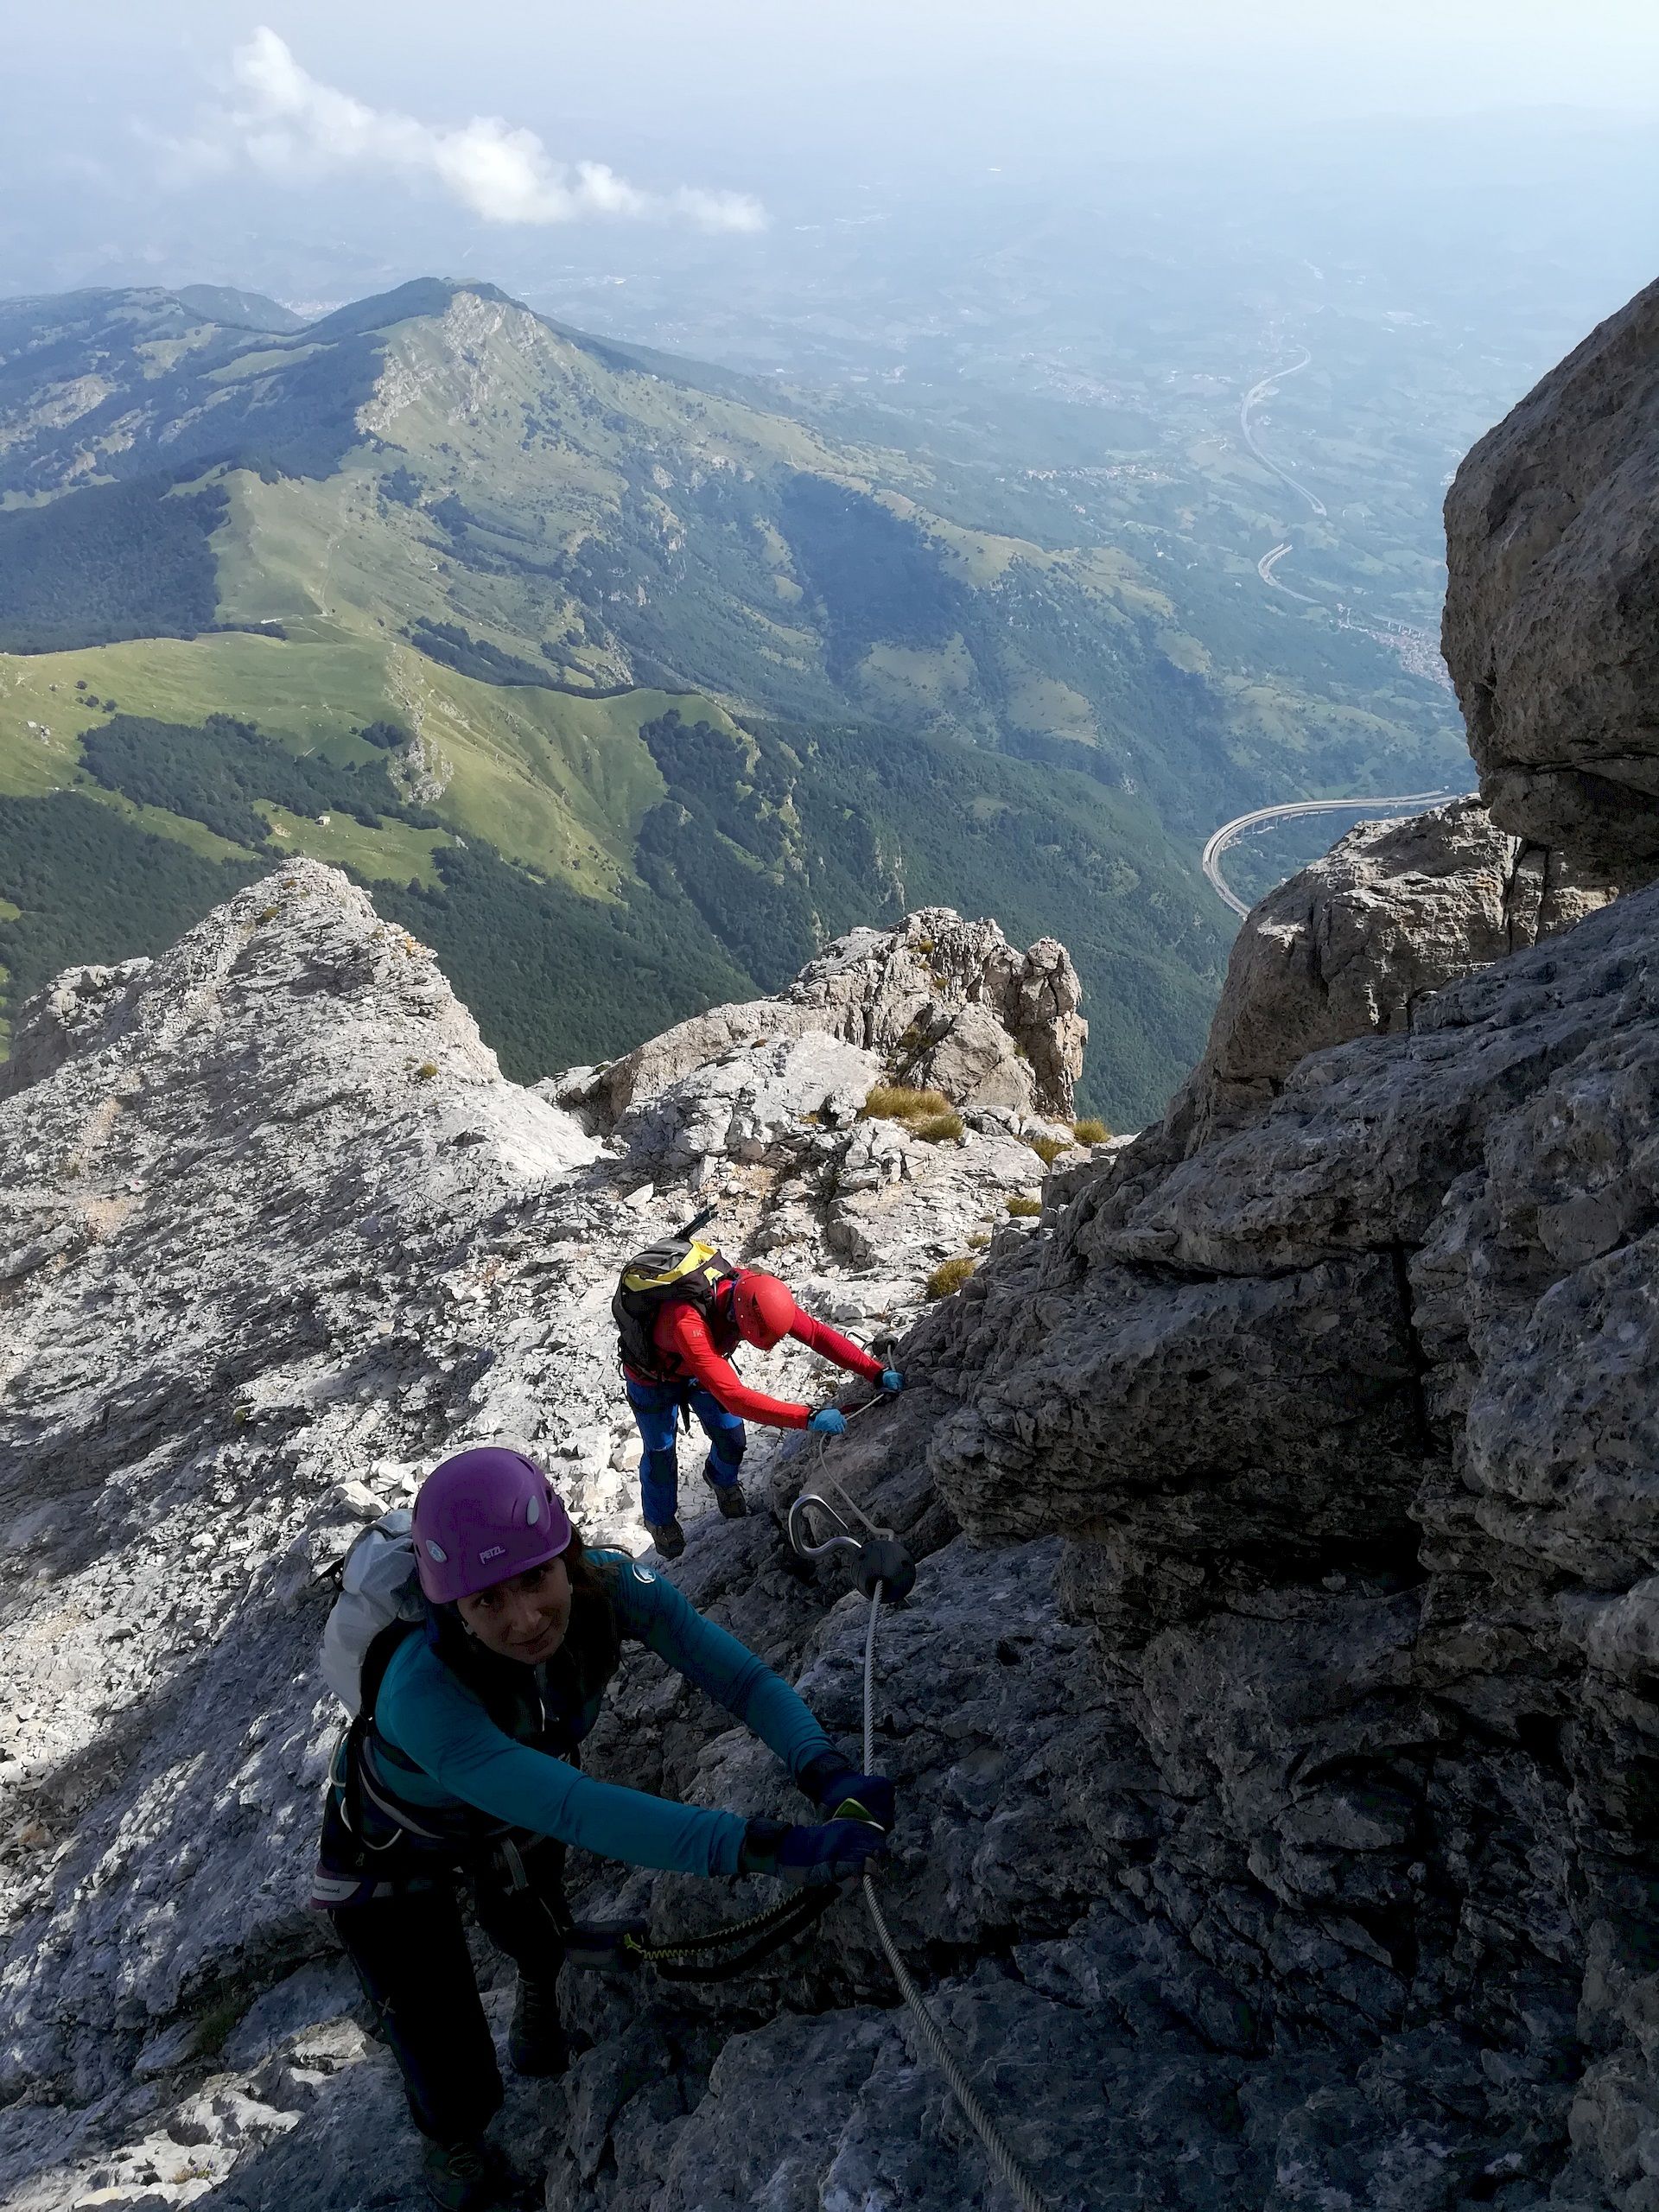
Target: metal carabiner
{"type": "Point", "coordinates": [846, 1542]}
{"type": "Point", "coordinates": [880, 1561]}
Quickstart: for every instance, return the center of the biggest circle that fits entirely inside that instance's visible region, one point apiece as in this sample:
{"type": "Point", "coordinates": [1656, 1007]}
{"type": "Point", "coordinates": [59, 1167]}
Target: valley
{"type": "Point", "coordinates": [628, 672]}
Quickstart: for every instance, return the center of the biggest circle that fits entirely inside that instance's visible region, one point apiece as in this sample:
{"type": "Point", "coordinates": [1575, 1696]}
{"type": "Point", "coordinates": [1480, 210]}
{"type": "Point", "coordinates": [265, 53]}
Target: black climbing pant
{"type": "Point", "coordinates": [409, 1950]}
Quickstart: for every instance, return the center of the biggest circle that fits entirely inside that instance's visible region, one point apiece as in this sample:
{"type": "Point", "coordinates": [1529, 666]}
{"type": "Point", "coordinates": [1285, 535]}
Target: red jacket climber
{"type": "Point", "coordinates": [693, 1366]}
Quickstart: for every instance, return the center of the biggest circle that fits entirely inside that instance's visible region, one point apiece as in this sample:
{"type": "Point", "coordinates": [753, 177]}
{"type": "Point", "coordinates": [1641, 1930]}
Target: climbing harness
{"type": "Point", "coordinates": [881, 1545]}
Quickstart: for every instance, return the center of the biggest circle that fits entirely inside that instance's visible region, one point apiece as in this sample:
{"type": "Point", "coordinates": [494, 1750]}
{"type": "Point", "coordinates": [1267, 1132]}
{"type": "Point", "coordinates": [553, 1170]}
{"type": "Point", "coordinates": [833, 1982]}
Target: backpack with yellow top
{"type": "Point", "coordinates": [680, 1270]}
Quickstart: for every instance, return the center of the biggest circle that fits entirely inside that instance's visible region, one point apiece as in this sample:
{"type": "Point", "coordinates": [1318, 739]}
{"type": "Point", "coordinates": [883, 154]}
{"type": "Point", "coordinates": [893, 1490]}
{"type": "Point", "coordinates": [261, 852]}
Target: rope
{"type": "Point", "coordinates": [1026, 2192]}
{"type": "Point", "coordinates": [1023, 2188]}
{"type": "Point", "coordinates": [869, 1678]}
{"type": "Point", "coordinates": [715, 1939]}
{"type": "Point", "coordinates": [769, 1931]}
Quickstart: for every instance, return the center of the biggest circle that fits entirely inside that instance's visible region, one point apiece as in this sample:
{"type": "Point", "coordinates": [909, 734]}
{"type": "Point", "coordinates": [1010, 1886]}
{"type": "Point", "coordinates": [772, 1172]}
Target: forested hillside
{"type": "Point", "coordinates": [621, 688]}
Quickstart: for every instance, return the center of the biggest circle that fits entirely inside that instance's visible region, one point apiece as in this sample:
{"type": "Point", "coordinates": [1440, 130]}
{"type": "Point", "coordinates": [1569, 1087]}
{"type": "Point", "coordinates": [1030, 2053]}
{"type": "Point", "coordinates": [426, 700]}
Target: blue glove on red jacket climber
{"type": "Point", "coordinates": [681, 1310]}
{"type": "Point", "coordinates": [461, 1762]}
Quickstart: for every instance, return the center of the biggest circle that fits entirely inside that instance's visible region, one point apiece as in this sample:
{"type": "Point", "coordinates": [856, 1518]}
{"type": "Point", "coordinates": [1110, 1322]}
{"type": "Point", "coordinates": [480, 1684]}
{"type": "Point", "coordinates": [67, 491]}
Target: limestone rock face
{"type": "Point", "coordinates": [1273, 1719]}
{"type": "Point", "coordinates": [937, 999]}
{"type": "Point", "coordinates": [754, 1105]}
{"type": "Point", "coordinates": [1348, 947]}
{"type": "Point", "coordinates": [274, 1235]}
{"type": "Point", "coordinates": [64, 1018]}
{"type": "Point", "coordinates": [970, 1063]}
{"type": "Point", "coordinates": [1551, 615]}
{"type": "Point", "coordinates": [1348, 1418]}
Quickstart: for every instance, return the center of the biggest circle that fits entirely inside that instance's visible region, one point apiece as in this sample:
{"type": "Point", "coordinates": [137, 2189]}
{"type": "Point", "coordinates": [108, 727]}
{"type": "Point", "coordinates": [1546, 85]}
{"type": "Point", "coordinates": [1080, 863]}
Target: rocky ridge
{"type": "Point", "coordinates": [1276, 1717]}
{"type": "Point", "coordinates": [274, 1233]}
{"type": "Point", "coordinates": [999, 1032]}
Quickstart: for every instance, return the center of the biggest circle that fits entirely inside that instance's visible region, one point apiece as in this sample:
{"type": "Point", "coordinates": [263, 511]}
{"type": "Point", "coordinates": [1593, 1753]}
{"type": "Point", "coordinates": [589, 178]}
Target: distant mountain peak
{"type": "Point", "coordinates": [239, 310]}
{"type": "Point", "coordinates": [421, 296]}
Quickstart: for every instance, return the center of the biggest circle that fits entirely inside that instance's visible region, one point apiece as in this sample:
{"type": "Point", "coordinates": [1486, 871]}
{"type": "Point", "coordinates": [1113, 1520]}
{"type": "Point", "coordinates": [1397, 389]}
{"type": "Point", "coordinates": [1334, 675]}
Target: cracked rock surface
{"type": "Point", "coordinates": [1274, 1716]}
{"type": "Point", "coordinates": [274, 1235]}
{"type": "Point", "coordinates": [940, 1001]}
{"type": "Point", "coordinates": [1351, 945]}
{"type": "Point", "coordinates": [1551, 629]}
{"type": "Point", "coordinates": [1348, 1419]}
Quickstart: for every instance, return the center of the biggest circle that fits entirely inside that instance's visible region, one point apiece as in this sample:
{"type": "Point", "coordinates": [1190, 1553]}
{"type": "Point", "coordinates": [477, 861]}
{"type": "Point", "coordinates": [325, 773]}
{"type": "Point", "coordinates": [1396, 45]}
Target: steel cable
{"type": "Point", "coordinates": [1025, 2192]}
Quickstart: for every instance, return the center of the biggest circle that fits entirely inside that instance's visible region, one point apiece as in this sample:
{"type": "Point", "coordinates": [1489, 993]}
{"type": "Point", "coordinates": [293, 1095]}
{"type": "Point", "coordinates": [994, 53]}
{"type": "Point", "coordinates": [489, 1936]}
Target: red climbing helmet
{"type": "Point", "coordinates": [483, 1516]}
{"type": "Point", "coordinates": [763, 1308]}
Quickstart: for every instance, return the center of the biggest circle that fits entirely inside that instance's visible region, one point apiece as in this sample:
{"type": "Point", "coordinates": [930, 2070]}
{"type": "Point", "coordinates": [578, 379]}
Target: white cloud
{"type": "Point", "coordinates": [288, 126]}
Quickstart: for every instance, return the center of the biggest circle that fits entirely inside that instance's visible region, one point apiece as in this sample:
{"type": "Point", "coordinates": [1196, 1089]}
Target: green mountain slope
{"type": "Point", "coordinates": [622, 688]}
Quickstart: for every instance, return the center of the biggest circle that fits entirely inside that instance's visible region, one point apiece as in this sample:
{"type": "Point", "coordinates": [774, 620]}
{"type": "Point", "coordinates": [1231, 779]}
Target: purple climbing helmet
{"type": "Point", "coordinates": [483, 1516]}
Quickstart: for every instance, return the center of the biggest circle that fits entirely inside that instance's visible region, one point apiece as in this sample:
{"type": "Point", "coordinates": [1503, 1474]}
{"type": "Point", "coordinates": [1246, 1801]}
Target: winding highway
{"type": "Point", "coordinates": [1220, 839]}
{"type": "Point", "coordinates": [1253, 398]}
{"type": "Point", "coordinates": [1264, 569]}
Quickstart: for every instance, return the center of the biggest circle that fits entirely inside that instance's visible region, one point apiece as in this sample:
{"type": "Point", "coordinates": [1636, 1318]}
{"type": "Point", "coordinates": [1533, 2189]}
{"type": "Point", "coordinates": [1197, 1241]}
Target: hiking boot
{"type": "Point", "coordinates": [668, 1536]}
{"type": "Point", "coordinates": [537, 2043]}
{"type": "Point", "coordinates": [467, 2176]}
{"type": "Point", "coordinates": [730, 1499]}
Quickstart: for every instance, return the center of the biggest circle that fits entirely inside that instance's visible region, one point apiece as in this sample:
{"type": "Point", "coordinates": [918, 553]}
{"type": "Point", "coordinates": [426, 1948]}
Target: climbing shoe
{"type": "Point", "coordinates": [467, 2176]}
{"type": "Point", "coordinates": [730, 1499]}
{"type": "Point", "coordinates": [668, 1536]}
{"type": "Point", "coordinates": [537, 2043]}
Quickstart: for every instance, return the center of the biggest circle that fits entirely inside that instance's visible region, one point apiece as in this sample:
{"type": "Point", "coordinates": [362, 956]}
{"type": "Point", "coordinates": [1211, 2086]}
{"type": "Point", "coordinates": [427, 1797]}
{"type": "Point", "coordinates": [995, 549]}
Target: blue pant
{"type": "Point", "coordinates": [657, 1409]}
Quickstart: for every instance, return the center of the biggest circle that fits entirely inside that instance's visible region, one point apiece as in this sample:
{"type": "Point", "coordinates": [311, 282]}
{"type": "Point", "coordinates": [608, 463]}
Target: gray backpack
{"type": "Point", "coordinates": [379, 1588]}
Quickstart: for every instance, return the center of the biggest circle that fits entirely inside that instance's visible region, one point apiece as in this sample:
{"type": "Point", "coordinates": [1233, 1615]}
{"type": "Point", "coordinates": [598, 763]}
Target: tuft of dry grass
{"type": "Point", "coordinates": [926, 1114]}
{"type": "Point", "coordinates": [936, 1129]}
{"type": "Point", "coordinates": [977, 1243]}
{"type": "Point", "coordinates": [1048, 1149]}
{"type": "Point", "coordinates": [949, 1276]}
{"type": "Point", "coordinates": [1025, 1209]}
{"type": "Point", "coordinates": [897, 1101]}
{"type": "Point", "coordinates": [426, 1071]}
{"type": "Point", "coordinates": [1091, 1131]}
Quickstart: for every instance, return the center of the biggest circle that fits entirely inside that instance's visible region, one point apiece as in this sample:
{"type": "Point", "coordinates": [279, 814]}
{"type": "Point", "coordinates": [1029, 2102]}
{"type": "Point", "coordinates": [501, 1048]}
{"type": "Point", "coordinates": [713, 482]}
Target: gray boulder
{"type": "Point", "coordinates": [754, 1105]}
{"type": "Point", "coordinates": [1351, 945]}
{"type": "Point", "coordinates": [1551, 629]}
{"type": "Point", "coordinates": [971, 1062]}
{"type": "Point", "coordinates": [896, 993]}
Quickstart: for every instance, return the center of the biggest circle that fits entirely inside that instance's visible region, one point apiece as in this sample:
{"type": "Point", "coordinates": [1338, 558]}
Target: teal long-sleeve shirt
{"type": "Point", "coordinates": [427, 1714]}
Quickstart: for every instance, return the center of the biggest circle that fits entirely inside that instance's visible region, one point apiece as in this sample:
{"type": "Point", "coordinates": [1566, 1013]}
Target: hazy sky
{"type": "Point", "coordinates": [741, 77]}
{"type": "Point", "coordinates": [1355, 55]}
{"type": "Point", "coordinates": [260, 129]}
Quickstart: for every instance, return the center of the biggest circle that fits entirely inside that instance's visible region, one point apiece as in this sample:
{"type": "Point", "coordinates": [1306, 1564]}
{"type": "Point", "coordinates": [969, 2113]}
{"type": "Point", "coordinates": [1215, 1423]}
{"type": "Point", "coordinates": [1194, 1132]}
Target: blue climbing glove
{"type": "Point", "coordinates": [891, 1380]}
{"type": "Point", "coordinates": [830, 1782]}
{"type": "Point", "coordinates": [828, 1421]}
{"type": "Point", "coordinates": [810, 1857]}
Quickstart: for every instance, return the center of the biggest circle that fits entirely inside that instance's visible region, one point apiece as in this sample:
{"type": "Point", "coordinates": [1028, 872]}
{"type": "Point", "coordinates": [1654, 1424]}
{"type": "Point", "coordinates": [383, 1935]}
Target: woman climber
{"type": "Point", "coordinates": [462, 1761]}
{"type": "Point", "coordinates": [681, 1310]}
